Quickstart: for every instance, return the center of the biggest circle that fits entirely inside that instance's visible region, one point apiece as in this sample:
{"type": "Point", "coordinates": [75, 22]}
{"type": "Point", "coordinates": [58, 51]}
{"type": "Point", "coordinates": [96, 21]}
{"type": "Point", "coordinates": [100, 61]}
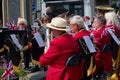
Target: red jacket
{"type": "Point", "coordinates": [115, 28]}
{"type": "Point", "coordinates": [81, 33]}
{"type": "Point", "coordinates": [102, 58]}
{"type": "Point", "coordinates": [101, 38]}
{"type": "Point", "coordinates": [60, 50]}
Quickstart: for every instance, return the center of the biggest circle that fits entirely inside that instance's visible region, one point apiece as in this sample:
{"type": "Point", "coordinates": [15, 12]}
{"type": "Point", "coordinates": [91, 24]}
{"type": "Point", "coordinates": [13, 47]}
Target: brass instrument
{"type": "Point", "coordinates": [117, 67]}
{"type": "Point", "coordinates": [104, 9]}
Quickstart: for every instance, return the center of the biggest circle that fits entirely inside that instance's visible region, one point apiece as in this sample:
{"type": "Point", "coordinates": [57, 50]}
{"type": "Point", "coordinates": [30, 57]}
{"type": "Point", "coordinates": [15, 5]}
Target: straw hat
{"type": "Point", "coordinates": [58, 23]}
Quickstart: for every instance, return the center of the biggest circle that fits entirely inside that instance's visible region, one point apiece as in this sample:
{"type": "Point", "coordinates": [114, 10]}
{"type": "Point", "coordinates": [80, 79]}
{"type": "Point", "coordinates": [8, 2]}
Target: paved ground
{"type": "Point", "coordinates": [31, 74]}
{"type": "Point", "coordinates": [36, 76]}
{"type": "Point", "coordinates": [41, 74]}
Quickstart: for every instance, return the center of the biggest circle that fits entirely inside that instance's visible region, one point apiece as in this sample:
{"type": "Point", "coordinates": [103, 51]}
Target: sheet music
{"type": "Point", "coordinates": [16, 42]}
{"type": "Point", "coordinates": [114, 36]}
{"type": "Point", "coordinates": [89, 44]}
{"type": "Point", "coordinates": [39, 39]}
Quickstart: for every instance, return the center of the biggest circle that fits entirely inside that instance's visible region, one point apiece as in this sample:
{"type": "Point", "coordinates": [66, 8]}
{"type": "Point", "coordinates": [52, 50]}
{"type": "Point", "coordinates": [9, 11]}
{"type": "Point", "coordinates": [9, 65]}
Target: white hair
{"type": "Point", "coordinates": [77, 20]}
{"type": "Point", "coordinates": [113, 17]}
{"type": "Point", "coordinates": [22, 20]}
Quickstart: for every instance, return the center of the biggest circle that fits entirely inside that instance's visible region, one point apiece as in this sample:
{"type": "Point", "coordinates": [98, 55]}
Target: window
{"type": "Point", "coordinates": [0, 9]}
{"type": "Point", "coordinates": [102, 2]}
{"type": "Point", "coordinates": [73, 6]}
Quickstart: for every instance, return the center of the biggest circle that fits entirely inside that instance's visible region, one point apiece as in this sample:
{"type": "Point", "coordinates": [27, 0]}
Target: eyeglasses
{"type": "Point", "coordinates": [45, 20]}
{"type": "Point", "coordinates": [21, 24]}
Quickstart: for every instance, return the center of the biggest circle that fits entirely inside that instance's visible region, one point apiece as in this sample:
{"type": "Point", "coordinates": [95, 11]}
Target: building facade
{"type": "Point", "coordinates": [31, 9]}
{"type": "Point", "coordinates": [12, 9]}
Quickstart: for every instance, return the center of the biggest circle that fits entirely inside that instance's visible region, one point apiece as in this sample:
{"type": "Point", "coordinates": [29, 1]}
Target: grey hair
{"type": "Point", "coordinates": [102, 20]}
{"type": "Point", "coordinates": [77, 20]}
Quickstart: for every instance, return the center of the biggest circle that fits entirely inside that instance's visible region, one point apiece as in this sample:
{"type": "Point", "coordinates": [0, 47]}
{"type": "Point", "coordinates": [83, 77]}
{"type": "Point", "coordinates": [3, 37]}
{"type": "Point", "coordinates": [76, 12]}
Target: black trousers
{"type": "Point", "coordinates": [27, 58]}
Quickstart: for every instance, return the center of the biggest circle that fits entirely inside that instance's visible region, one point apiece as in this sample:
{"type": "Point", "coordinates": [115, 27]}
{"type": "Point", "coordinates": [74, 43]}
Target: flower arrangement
{"type": "Point", "coordinates": [20, 73]}
{"type": "Point", "coordinates": [7, 71]}
{"type": "Point", "coordinates": [17, 74]}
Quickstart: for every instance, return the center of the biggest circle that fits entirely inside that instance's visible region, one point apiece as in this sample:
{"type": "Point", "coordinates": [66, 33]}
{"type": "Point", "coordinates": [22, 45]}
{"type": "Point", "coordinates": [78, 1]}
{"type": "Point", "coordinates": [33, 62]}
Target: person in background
{"type": "Point", "coordinates": [59, 51]}
{"type": "Point", "coordinates": [25, 41]}
{"type": "Point", "coordinates": [49, 12]}
{"type": "Point", "coordinates": [44, 31]}
{"type": "Point", "coordinates": [41, 71]}
{"type": "Point", "coordinates": [21, 23]}
{"type": "Point", "coordinates": [45, 19]}
{"type": "Point", "coordinates": [77, 26]}
{"type": "Point", "coordinates": [17, 39]}
{"type": "Point", "coordinates": [74, 24]}
{"type": "Point", "coordinates": [37, 51]}
{"type": "Point", "coordinates": [114, 24]}
{"type": "Point", "coordinates": [42, 24]}
{"type": "Point", "coordinates": [103, 57]}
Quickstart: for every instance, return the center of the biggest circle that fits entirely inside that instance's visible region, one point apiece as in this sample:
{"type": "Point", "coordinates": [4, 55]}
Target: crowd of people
{"type": "Point", "coordinates": [68, 56]}
{"type": "Point", "coordinates": [104, 33]}
{"type": "Point", "coordinates": [60, 47]}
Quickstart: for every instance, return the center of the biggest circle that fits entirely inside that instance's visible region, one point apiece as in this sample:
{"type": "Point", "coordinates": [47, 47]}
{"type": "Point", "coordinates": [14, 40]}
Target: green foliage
{"type": "Point", "coordinates": [1, 71]}
{"type": "Point", "coordinates": [20, 73]}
